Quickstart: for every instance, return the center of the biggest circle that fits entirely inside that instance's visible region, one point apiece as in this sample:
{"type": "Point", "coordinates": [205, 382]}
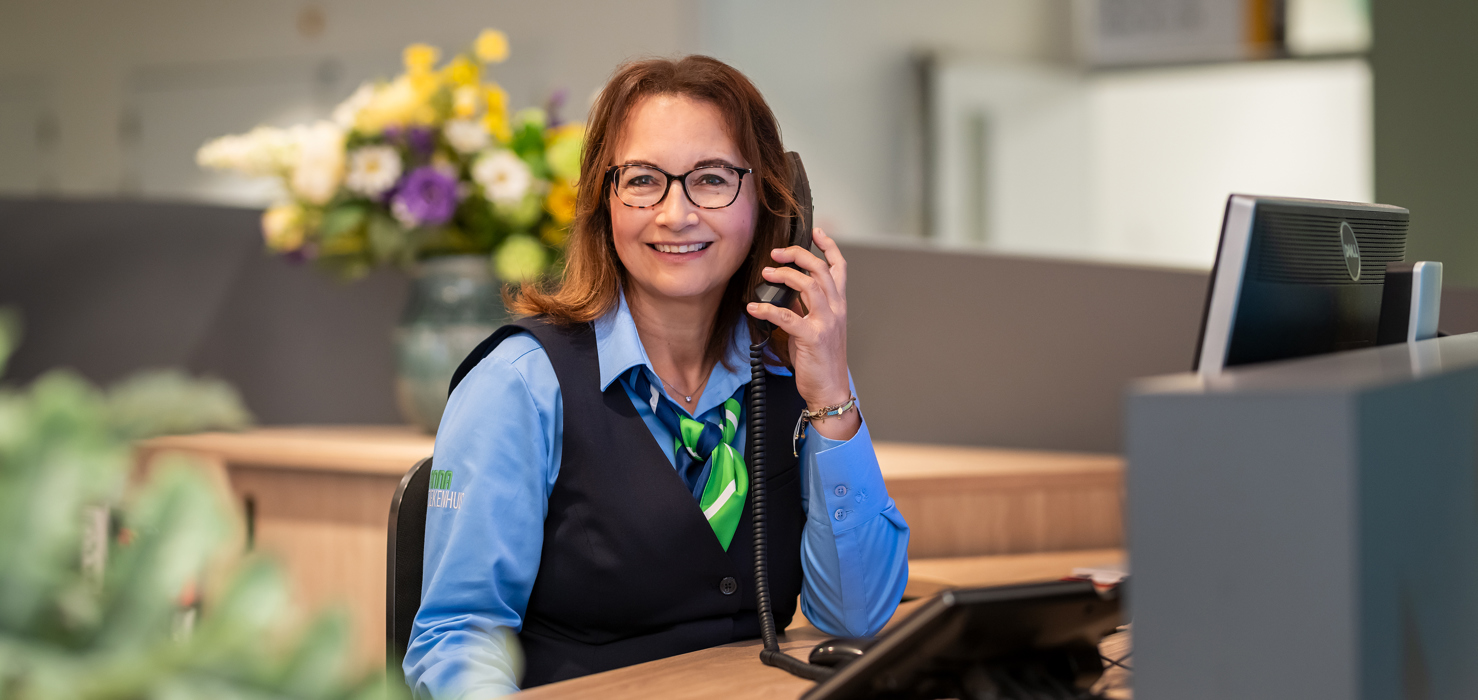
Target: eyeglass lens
{"type": "Point", "coordinates": [711, 188]}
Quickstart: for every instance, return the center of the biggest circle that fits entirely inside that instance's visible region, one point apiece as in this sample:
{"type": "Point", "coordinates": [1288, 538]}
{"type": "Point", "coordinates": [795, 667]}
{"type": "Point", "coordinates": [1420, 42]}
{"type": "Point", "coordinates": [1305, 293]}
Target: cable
{"type": "Point", "coordinates": [771, 655]}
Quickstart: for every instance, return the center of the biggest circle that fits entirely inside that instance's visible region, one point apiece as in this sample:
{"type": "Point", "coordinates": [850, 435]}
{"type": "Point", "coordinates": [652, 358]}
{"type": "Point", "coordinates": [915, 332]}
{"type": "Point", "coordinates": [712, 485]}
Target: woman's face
{"type": "Point", "coordinates": [677, 134]}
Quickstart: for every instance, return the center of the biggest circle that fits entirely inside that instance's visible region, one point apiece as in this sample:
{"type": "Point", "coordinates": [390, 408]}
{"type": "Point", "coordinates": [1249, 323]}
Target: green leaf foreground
{"type": "Point", "coordinates": [72, 627]}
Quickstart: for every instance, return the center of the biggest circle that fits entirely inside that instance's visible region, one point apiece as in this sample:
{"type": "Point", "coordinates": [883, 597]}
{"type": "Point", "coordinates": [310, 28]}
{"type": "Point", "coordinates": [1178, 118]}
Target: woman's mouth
{"type": "Point", "coordinates": [680, 249]}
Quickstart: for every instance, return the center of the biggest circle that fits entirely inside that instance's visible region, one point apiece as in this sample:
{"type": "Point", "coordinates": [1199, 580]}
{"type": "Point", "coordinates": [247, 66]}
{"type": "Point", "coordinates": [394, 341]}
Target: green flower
{"type": "Point", "coordinates": [563, 153]}
{"type": "Point", "coordinates": [520, 258]}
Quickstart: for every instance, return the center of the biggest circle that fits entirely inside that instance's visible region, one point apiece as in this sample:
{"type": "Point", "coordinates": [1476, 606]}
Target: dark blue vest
{"type": "Point", "coordinates": [631, 570]}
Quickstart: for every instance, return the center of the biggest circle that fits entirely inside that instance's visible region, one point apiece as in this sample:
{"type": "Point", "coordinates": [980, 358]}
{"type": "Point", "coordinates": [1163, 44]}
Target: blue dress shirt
{"type": "Point", "coordinates": [501, 438]}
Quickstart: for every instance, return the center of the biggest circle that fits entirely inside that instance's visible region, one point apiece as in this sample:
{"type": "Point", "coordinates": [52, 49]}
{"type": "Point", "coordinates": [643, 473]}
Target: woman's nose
{"type": "Point", "coordinates": [675, 211]}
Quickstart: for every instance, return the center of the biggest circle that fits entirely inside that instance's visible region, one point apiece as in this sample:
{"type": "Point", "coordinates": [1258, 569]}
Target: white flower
{"type": "Point", "coordinates": [264, 150]}
{"type": "Point", "coordinates": [504, 177]}
{"type": "Point", "coordinates": [348, 111]}
{"type": "Point", "coordinates": [320, 161]}
{"type": "Point", "coordinates": [372, 170]}
{"type": "Point", "coordinates": [466, 135]}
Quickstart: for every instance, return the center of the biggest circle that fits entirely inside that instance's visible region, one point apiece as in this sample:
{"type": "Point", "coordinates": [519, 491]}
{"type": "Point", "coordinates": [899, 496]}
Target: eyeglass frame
{"type": "Point", "coordinates": [683, 179]}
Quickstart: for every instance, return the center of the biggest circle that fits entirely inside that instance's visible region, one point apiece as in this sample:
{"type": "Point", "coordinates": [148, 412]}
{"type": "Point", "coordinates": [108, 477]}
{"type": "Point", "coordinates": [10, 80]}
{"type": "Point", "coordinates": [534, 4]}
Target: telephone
{"type": "Point", "coordinates": [1032, 640]}
{"type": "Point", "coordinates": [779, 295]}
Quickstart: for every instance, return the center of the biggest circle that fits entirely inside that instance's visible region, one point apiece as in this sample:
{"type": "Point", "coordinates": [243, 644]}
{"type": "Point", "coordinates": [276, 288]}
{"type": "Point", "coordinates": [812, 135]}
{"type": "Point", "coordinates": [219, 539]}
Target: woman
{"type": "Point", "coordinates": [598, 544]}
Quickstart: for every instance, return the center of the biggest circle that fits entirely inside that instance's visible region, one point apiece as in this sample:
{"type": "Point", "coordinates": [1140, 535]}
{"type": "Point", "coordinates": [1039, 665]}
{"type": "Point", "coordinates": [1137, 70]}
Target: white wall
{"type": "Point", "coordinates": [1136, 165]}
{"type": "Point", "coordinates": [133, 87]}
{"type": "Point", "coordinates": [838, 73]}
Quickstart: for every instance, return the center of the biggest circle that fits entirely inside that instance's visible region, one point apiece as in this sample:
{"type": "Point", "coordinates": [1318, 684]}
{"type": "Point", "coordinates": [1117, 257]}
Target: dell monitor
{"type": "Point", "coordinates": [1297, 277]}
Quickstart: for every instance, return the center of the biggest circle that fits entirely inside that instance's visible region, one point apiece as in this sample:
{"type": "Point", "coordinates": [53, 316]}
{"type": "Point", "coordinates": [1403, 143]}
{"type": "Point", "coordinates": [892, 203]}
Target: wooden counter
{"type": "Point", "coordinates": [734, 671]}
{"type": "Point", "coordinates": [319, 498]}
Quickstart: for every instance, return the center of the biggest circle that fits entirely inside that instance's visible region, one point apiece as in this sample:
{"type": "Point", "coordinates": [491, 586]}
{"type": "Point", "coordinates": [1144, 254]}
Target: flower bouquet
{"type": "Point", "coordinates": [425, 165]}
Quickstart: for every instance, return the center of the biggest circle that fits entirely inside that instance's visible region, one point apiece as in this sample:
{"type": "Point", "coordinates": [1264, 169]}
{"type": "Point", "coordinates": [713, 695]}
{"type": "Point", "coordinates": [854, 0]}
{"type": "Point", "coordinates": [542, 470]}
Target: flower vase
{"type": "Point", "coordinates": [455, 302]}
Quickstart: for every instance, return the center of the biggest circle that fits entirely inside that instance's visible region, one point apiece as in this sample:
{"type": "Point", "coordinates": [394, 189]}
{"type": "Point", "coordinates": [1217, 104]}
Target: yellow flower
{"type": "Point", "coordinates": [497, 116]}
{"type": "Point", "coordinates": [554, 234]}
{"type": "Point", "coordinates": [466, 100]}
{"type": "Point", "coordinates": [420, 58]}
{"type": "Point", "coordinates": [284, 226]}
{"type": "Point", "coordinates": [561, 201]}
{"type": "Point", "coordinates": [461, 71]}
{"type": "Point", "coordinates": [491, 46]}
{"type": "Point", "coordinates": [394, 104]}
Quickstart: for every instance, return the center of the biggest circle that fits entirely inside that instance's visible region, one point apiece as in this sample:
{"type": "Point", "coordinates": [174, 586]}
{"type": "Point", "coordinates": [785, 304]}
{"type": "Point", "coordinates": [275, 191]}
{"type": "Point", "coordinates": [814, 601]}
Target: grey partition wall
{"type": "Point", "coordinates": [1308, 529]}
{"type": "Point", "coordinates": [110, 287]}
{"type": "Point", "coordinates": [946, 346]}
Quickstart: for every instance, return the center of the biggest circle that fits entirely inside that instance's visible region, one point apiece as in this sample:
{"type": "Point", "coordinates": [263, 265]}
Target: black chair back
{"type": "Point", "coordinates": [407, 547]}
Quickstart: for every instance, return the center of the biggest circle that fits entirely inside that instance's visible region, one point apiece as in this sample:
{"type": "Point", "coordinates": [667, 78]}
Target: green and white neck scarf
{"type": "Point", "coordinates": [706, 459]}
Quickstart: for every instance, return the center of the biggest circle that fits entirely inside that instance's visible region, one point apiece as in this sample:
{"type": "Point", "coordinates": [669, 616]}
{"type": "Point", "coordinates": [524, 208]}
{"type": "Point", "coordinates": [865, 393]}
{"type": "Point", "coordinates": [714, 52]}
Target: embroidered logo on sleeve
{"type": "Point", "coordinates": [441, 494]}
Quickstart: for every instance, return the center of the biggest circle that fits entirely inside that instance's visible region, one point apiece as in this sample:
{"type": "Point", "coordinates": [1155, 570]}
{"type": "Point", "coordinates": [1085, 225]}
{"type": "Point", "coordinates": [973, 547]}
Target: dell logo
{"type": "Point", "coordinates": [1351, 249]}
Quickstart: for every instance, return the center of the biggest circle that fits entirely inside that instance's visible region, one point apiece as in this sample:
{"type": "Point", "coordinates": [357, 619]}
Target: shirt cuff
{"type": "Point", "coordinates": [851, 481]}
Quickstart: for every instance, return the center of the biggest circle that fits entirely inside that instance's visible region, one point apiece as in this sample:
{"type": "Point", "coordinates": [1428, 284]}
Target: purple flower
{"type": "Point", "coordinates": [420, 140]}
{"type": "Point", "coordinates": [426, 197]}
{"type": "Point", "coordinates": [555, 105]}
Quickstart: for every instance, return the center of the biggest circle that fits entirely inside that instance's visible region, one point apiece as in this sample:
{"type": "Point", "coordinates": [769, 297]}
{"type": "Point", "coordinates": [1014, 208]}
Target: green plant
{"type": "Point", "coordinates": [94, 583]}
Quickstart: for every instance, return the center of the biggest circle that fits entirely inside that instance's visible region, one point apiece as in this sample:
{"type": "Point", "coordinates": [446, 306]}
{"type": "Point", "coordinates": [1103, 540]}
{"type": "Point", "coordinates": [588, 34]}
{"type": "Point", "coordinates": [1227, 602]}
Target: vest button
{"type": "Point", "coordinates": [840, 491]}
{"type": "Point", "coordinates": [728, 585]}
{"type": "Point", "coordinates": [840, 514]}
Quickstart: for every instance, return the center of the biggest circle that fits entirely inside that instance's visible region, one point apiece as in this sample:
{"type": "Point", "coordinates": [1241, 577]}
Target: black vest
{"type": "Point", "coordinates": [631, 570]}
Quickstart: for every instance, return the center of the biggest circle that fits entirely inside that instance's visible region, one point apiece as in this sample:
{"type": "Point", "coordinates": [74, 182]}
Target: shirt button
{"type": "Point", "coordinates": [840, 514]}
{"type": "Point", "coordinates": [840, 490]}
{"type": "Point", "coordinates": [728, 585]}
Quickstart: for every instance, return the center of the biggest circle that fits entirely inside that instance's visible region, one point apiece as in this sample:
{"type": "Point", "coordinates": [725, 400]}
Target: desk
{"type": "Point", "coordinates": [319, 497]}
{"type": "Point", "coordinates": [734, 671]}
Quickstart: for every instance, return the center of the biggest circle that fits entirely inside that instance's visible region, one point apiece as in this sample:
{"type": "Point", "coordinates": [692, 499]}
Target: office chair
{"type": "Point", "coordinates": [407, 547]}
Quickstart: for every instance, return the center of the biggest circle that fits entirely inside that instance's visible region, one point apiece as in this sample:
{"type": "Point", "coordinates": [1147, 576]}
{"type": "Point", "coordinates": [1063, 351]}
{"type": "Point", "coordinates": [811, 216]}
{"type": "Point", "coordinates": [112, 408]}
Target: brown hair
{"type": "Point", "coordinates": [593, 273]}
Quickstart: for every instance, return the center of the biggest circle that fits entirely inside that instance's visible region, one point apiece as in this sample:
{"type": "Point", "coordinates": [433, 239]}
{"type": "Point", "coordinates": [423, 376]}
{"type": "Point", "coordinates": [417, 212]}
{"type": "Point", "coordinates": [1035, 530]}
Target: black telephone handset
{"type": "Point", "coordinates": [779, 295]}
{"type": "Point", "coordinates": [800, 232]}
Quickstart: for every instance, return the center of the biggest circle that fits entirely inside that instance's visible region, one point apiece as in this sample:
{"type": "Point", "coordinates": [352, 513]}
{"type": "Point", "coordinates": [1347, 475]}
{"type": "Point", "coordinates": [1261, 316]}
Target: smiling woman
{"type": "Point", "coordinates": [713, 103]}
{"type": "Point", "coordinates": [600, 440]}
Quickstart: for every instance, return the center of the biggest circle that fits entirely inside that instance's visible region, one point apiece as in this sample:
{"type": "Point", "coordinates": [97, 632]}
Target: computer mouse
{"type": "Point", "coordinates": [840, 652]}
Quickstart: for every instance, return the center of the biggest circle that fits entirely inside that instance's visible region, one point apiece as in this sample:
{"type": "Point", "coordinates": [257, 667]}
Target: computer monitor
{"type": "Point", "coordinates": [1297, 277]}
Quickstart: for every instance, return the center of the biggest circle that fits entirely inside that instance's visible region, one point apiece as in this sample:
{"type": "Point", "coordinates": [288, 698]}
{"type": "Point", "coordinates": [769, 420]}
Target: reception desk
{"type": "Point", "coordinates": [318, 499]}
{"type": "Point", "coordinates": [734, 671]}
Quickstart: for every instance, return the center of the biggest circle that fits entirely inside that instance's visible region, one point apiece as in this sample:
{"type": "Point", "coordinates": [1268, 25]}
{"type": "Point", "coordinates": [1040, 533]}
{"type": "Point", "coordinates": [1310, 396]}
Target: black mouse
{"type": "Point", "coordinates": [840, 652]}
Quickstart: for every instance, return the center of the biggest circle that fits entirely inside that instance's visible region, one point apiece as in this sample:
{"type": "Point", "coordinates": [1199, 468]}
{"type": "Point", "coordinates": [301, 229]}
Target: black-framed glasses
{"type": "Point", "coordinates": [708, 187]}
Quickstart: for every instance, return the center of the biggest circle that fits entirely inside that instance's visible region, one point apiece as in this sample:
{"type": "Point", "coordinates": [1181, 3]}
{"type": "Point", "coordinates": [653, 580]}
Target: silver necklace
{"type": "Point", "coordinates": [687, 397]}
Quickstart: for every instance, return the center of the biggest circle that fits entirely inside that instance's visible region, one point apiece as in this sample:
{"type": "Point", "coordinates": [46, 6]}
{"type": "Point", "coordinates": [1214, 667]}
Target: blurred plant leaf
{"type": "Point", "coordinates": [130, 632]}
{"type": "Point", "coordinates": [165, 402]}
{"type": "Point", "coordinates": [10, 335]}
{"type": "Point", "coordinates": [386, 238]}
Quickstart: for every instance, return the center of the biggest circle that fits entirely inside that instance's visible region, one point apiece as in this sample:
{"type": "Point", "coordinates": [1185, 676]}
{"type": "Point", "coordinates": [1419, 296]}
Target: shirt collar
{"type": "Point", "coordinates": [619, 348]}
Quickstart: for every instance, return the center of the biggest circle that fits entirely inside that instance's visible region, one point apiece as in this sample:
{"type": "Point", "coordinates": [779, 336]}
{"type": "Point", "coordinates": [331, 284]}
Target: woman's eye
{"type": "Point", "coordinates": [711, 180]}
{"type": "Point", "coordinates": [641, 181]}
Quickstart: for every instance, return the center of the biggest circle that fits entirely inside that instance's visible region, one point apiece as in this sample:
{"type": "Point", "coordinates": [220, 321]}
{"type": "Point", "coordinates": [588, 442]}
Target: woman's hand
{"type": "Point", "coordinates": [818, 340]}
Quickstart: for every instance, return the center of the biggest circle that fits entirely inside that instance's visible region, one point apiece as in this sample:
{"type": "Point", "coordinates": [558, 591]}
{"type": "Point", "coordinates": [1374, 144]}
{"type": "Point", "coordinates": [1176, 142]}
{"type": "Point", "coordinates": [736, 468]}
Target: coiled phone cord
{"type": "Point", "coordinates": [771, 655]}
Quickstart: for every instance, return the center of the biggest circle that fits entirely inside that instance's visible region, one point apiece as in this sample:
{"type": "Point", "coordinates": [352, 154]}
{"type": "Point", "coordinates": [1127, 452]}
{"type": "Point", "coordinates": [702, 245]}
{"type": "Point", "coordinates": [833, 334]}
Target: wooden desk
{"type": "Point", "coordinates": [319, 498]}
{"type": "Point", "coordinates": [734, 671]}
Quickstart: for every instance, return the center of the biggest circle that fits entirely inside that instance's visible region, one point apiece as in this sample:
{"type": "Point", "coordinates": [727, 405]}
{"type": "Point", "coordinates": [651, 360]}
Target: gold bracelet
{"type": "Point", "coordinates": [808, 416]}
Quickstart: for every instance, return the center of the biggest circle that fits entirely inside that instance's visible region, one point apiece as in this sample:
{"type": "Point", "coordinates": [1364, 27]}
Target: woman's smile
{"type": "Point", "coordinates": [680, 251]}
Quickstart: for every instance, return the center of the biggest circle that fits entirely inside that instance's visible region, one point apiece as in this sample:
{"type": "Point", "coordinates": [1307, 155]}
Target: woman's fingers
{"type": "Point", "coordinates": [812, 292]}
{"type": "Point", "coordinates": [789, 321]}
{"type": "Point", "coordinates": [833, 253]}
{"type": "Point", "coordinates": [806, 260]}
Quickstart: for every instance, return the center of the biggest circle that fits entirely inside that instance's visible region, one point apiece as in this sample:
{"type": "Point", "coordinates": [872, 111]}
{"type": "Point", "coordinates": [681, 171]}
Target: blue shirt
{"type": "Point", "coordinates": [501, 438]}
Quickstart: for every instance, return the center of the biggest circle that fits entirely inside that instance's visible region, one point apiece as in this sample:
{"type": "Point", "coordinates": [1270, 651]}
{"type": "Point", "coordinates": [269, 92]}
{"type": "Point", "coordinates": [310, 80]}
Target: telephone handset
{"type": "Point", "coordinates": [779, 295]}
{"type": "Point", "coordinates": [800, 232]}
